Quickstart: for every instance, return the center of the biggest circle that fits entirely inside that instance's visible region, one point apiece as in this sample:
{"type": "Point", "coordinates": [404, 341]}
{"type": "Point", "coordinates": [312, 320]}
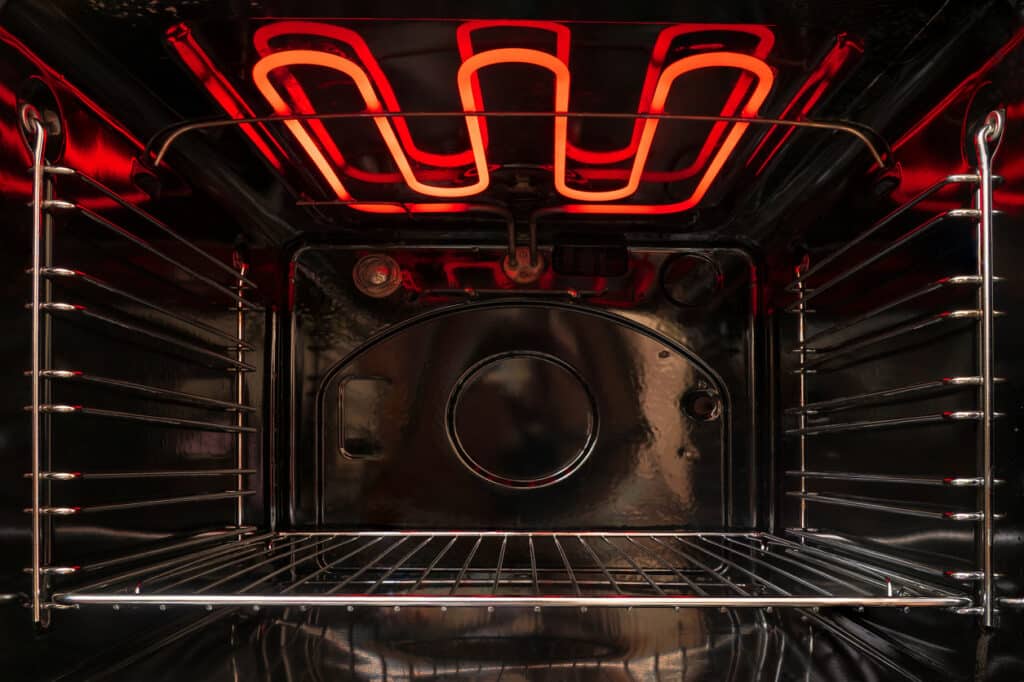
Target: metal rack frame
{"type": "Point", "coordinates": [814, 354]}
{"type": "Point", "coordinates": [206, 345]}
{"type": "Point", "coordinates": [520, 568]}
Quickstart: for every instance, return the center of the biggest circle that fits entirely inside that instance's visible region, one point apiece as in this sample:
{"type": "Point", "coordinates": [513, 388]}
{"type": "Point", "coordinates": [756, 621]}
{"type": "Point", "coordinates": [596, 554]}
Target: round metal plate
{"type": "Point", "coordinates": [522, 419]}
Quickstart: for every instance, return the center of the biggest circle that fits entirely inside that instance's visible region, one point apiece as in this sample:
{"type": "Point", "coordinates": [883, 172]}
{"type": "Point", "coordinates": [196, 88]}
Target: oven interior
{"type": "Point", "coordinates": [591, 343]}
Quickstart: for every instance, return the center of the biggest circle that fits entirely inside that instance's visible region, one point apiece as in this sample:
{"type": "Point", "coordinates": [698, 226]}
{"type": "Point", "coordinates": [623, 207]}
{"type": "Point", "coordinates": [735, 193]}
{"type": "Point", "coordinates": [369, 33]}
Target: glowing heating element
{"type": "Point", "coordinates": [764, 79]}
{"type": "Point", "coordinates": [513, 55]}
{"type": "Point", "coordinates": [330, 61]}
{"type": "Point", "coordinates": [265, 34]}
{"type": "Point", "coordinates": [751, 67]}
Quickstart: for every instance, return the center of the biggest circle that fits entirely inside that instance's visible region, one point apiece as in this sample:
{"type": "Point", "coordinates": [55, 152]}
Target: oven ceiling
{"type": "Point", "coordinates": [791, 60]}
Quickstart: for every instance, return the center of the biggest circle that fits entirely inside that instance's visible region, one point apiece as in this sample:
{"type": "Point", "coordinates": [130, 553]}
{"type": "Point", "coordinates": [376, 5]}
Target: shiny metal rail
{"type": "Point", "coordinates": [986, 141]}
{"type": "Point", "coordinates": [845, 549]}
{"type": "Point", "coordinates": [152, 392]}
{"type": "Point", "coordinates": [65, 308]}
{"type": "Point", "coordinates": [906, 238]}
{"type": "Point", "coordinates": [897, 393]}
{"type": "Point", "coordinates": [147, 217]}
{"type": "Point", "coordinates": [885, 506]}
{"type": "Point", "coordinates": [192, 323]}
{"type": "Point", "coordinates": [894, 422]}
{"type": "Point", "coordinates": [140, 504]}
{"type": "Point", "coordinates": [516, 568]}
{"type": "Point", "coordinates": [945, 282]}
{"type": "Point", "coordinates": [131, 475]}
{"type": "Point", "coordinates": [863, 134]}
{"type": "Point", "coordinates": [823, 355]}
{"type": "Point", "coordinates": [54, 205]}
{"type": "Point", "coordinates": [947, 482]}
{"type": "Point", "coordinates": [471, 292]}
{"type": "Point", "coordinates": [38, 192]}
{"type": "Point", "coordinates": [960, 179]}
{"type": "Point", "coordinates": [145, 418]}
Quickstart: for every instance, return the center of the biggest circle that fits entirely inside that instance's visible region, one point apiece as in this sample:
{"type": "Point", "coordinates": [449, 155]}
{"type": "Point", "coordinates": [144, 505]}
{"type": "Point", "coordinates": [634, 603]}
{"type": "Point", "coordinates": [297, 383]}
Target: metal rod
{"type": "Point", "coordinates": [186, 543]}
{"type": "Point", "coordinates": [118, 475]}
{"type": "Point", "coordinates": [945, 282]}
{"type": "Point", "coordinates": [366, 567]}
{"type": "Point", "coordinates": [838, 542]}
{"type": "Point", "coordinates": [533, 565]}
{"type": "Point", "coordinates": [329, 566]}
{"type": "Point", "coordinates": [510, 533]}
{"type": "Point", "coordinates": [38, 159]}
{"type": "Point", "coordinates": [823, 355]}
{"type": "Point", "coordinates": [682, 576]}
{"type": "Point", "coordinates": [761, 562]}
{"type": "Point", "coordinates": [103, 189]}
{"type": "Point", "coordinates": [240, 387]}
{"type": "Point", "coordinates": [801, 336]}
{"type": "Point", "coordinates": [138, 504]}
{"type": "Point", "coordinates": [943, 418]}
{"type": "Point", "coordinates": [465, 564]}
{"type": "Point", "coordinates": [883, 575]}
{"type": "Point", "coordinates": [145, 418]}
{"type": "Point", "coordinates": [174, 132]}
{"type": "Point", "coordinates": [568, 566]}
{"type": "Point", "coordinates": [149, 391]}
{"type": "Point", "coordinates": [387, 574]}
{"type": "Point", "coordinates": [575, 601]}
{"type": "Point", "coordinates": [301, 552]}
{"type": "Point", "coordinates": [636, 567]}
{"type": "Point", "coordinates": [75, 309]}
{"type": "Point", "coordinates": [883, 506]}
{"type": "Point", "coordinates": [962, 178]}
{"type": "Point", "coordinates": [966, 213]}
{"type": "Point", "coordinates": [846, 402]}
{"type": "Point", "coordinates": [471, 292]}
{"type": "Point", "coordinates": [318, 553]}
{"type": "Point", "coordinates": [149, 248]}
{"type": "Point", "coordinates": [600, 564]}
{"type": "Point", "coordinates": [214, 564]}
{"type": "Point", "coordinates": [501, 561]}
{"type": "Point", "coordinates": [173, 562]}
{"type": "Point", "coordinates": [899, 480]}
{"type": "Point", "coordinates": [67, 273]}
{"type": "Point", "coordinates": [754, 576]}
{"type": "Point", "coordinates": [990, 133]}
{"type": "Point", "coordinates": [433, 563]}
{"type": "Point", "coordinates": [751, 546]}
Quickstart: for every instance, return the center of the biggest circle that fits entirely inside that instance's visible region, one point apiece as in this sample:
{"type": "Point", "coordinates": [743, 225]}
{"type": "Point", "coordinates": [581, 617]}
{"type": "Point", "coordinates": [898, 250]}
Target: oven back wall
{"type": "Point", "coordinates": [604, 402]}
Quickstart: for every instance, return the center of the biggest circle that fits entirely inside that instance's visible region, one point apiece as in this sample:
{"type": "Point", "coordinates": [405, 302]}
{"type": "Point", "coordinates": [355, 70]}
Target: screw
{"type": "Point", "coordinates": [397, 608]}
{"type": "Point", "coordinates": [490, 609]}
{"type": "Point", "coordinates": [209, 607]}
{"type": "Point", "coordinates": [117, 607]}
{"type": "Point", "coordinates": [583, 609]}
{"type": "Point", "coordinates": [350, 608]}
{"type": "Point", "coordinates": [444, 609]}
{"type": "Point", "coordinates": [163, 607]}
{"type": "Point", "coordinates": [536, 609]}
{"type": "Point", "coordinates": [255, 607]}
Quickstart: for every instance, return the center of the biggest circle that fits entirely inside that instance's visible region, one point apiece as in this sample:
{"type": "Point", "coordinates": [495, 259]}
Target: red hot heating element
{"type": "Point", "coordinates": [443, 175]}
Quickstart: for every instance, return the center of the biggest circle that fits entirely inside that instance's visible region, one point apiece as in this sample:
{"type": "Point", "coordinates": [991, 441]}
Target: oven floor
{"type": "Point", "coordinates": [574, 570]}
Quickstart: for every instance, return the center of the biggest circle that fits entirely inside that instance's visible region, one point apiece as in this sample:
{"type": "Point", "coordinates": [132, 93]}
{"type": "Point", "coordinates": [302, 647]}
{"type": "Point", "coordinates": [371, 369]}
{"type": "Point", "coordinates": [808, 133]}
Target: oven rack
{"type": "Point", "coordinates": [206, 335]}
{"type": "Point", "coordinates": [578, 569]}
{"type": "Point", "coordinates": [841, 283]}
